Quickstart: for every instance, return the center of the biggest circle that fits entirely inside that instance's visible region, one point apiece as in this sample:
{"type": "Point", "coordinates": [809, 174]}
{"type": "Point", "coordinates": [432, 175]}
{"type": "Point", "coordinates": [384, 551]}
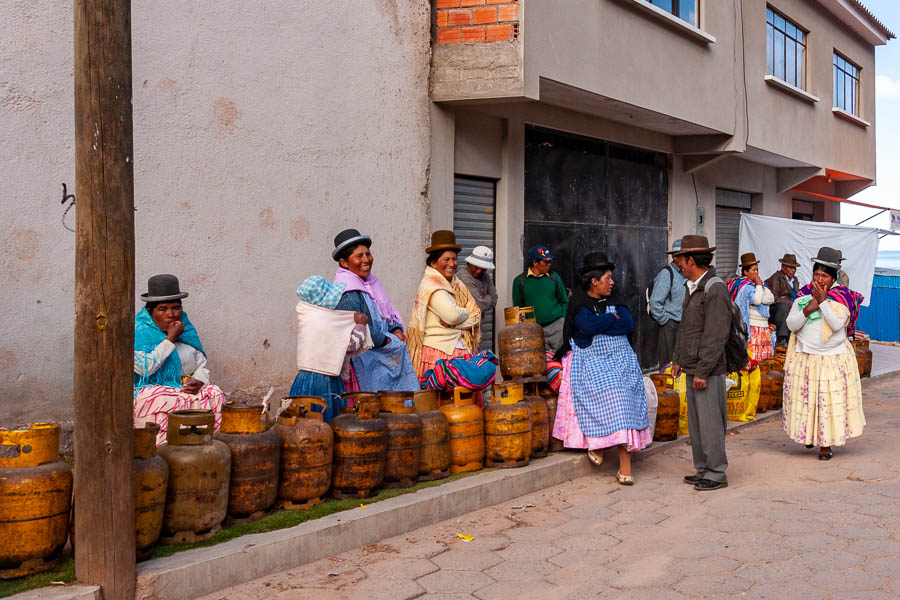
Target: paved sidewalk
{"type": "Point", "coordinates": [789, 526]}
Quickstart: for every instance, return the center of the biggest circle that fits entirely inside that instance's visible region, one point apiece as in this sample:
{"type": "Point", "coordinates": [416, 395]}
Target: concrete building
{"type": "Point", "coordinates": [261, 131]}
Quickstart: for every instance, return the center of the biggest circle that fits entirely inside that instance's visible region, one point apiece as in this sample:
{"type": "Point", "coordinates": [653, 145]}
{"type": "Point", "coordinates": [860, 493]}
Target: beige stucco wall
{"type": "Point", "coordinates": [260, 131]}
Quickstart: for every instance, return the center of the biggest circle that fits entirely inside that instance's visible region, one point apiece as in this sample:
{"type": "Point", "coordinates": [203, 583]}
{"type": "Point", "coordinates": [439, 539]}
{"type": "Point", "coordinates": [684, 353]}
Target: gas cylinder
{"type": "Point", "coordinates": [507, 427]}
{"type": "Point", "coordinates": [521, 349]}
{"type": "Point", "coordinates": [360, 449]}
{"type": "Point", "coordinates": [255, 459]}
{"type": "Point", "coordinates": [401, 465]}
{"type": "Point", "coordinates": [667, 410]}
{"type": "Point", "coordinates": [199, 471]}
{"type": "Point", "coordinates": [466, 421]}
{"type": "Point", "coordinates": [434, 459]}
{"type": "Point", "coordinates": [863, 357]}
{"type": "Point", "coordinates": [307, 449]}
{"type": "Point", "coordinates": [776, 372]}
{"type": "Point", "coordinates": [552, 399]}
{"type": "Point", "coordinates": [766, 399]}
{"type": "Point", "coordinates": [35, 498]}
{"type": "Point", "coordinates": [540, 426]}
{"type": "Point", "coordinates": [150, 477]}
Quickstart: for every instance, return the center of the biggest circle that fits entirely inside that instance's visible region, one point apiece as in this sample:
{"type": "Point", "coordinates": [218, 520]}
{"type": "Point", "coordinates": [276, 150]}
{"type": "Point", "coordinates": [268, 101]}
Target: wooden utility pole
{"type": "Point", "coordinates": [104, 298]}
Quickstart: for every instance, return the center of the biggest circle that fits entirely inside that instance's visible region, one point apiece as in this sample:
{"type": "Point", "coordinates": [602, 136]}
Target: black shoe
{"type": "Point", "coordinates": [692, 479]}
{"type": "Point", "coordinates": [707, 485]}
{"type": "Point", "coordinates": [809, 446]}
{"type": "Point", "coordinates": [826, 455]}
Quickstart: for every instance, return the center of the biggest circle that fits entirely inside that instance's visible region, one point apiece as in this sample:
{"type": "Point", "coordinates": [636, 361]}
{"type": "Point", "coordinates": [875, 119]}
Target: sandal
{"type": "Point", "coordinates": [595, 456]}
{"type": "Point", "coordinates": [624, 479]}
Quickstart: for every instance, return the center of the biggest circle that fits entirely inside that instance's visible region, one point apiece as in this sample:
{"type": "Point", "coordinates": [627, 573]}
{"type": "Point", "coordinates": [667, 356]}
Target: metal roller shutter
{"type": "Point", "coordinates": [473, 222]}
{"type": "Point", "coordinates": [729, 207]}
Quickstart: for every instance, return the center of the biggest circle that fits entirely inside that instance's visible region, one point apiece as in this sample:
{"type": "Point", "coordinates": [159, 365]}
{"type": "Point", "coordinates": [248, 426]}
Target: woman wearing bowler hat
{"type": "Point", "coordinates": [753, 297]}
{"type": "Point", "coordinates": [822, 392]}
{"type": "Point", "coordinates": [169, 361]}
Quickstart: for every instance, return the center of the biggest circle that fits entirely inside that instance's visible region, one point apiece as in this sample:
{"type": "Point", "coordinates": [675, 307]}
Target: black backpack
{"type": "Point", "coordinates": [736, 357]}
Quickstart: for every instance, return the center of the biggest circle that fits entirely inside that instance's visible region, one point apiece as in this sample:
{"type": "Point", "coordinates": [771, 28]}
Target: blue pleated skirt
{"type": "Point", "coordinates": [327, 387]}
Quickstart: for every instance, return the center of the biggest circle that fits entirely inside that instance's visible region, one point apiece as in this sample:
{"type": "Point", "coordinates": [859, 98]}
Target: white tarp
{"type": "Point", "coordinates": [770, 238]}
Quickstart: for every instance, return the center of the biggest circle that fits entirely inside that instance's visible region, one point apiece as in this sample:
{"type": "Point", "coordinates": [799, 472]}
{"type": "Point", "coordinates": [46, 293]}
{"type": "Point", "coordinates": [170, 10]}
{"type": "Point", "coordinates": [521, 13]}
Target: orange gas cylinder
{"type": "Point", "coordinates": [434, 460]}
{"type": "Point", "coordinates": [507, 427]}
{"type": "Point", "coordinates": [466, 421]}
{"type": "Point", "coordinates": [35, 498]}
{"type": "Point", "coordinates": [307, 448]}
{"type": "Point", "coordinates": [667, 410]}
{"type": "Point", "coordinates": [777, 375]}
{"type": "Point", "coordinates": [540, 426]}
{"type": "Point", "coordinates": [863, 357]}
{"type": "Point", "coordinates": [401, 465]}
{"type": "Point", "coordinates": [360, 449]}
{"type": "Point", "coordinates": [255, 460]}
{"type": "Point", "coordinates": [552, 399]}
{"type": "Point", "coordinates": [766, 393]}
{"type": "Point", "coordinates": [522, 352]}
{"type": "Point", "coordinates": [150, 477]}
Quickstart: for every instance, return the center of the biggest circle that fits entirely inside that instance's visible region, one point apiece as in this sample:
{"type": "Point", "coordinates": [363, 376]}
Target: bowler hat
{"type": "Point", "coordinates": [347, 238]}
{"type": "Point", "coordinates": [828, 257]}
{"type": "Point", "coordinates": [162, 288]}
{"type": "Point", "coordinates": [443, 239]}
{"type": "Point", "coordinates": [789, 260]}
{"type": "Point", "coordinates": [596, 261]}
{"type": "Point", "coordinates": [694, 244]}
{"type": "Point", "coordinates": [748, 260]}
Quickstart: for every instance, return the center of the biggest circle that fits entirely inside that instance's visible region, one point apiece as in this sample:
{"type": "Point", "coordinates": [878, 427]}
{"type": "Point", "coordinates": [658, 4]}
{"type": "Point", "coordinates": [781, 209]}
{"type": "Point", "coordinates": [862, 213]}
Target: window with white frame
{"type": "Point", "coordinates": [846, 84]}
{"type": "Point", "coordinates": [686, 10]}
{"type": "Point", "coordinates": [785, 49]}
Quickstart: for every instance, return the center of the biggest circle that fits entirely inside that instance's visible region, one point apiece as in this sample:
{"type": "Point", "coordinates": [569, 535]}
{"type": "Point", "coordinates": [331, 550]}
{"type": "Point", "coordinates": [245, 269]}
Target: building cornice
{"type": "Point", "coordinates": [858, 18]}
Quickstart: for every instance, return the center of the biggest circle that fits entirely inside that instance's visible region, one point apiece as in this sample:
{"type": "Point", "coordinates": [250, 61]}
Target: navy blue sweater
{"type": "Point", "coordinates": [589, 323]}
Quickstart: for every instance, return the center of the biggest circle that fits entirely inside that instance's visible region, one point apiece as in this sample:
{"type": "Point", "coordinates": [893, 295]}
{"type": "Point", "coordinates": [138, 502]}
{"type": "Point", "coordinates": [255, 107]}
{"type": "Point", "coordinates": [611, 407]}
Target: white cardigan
{"type": "Point", "coordinates": [809, 335]}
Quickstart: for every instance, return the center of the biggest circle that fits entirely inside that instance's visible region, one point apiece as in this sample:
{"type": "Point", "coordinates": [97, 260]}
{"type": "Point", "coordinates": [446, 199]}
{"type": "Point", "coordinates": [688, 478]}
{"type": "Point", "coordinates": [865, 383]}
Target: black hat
{"type": "Point", "coordinates": [162, 288]}
{"type": "Point", "coordinates": [349, 237]}
{"type": "Point", "coordinates": [828, 257]}
{"type": "Point", "coordinates": [596, 261]}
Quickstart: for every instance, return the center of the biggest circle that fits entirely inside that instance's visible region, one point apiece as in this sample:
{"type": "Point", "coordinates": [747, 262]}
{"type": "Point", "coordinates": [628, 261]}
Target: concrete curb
{"type": "Point", "coordinates": [73, 592]}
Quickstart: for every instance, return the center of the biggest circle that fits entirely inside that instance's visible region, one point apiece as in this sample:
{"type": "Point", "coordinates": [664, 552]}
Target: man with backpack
{"type": "Point", "coordinates": [665, 298]}
{"type": "Point", "coordinates": [708, 317]}
{"type": "Point", "coordinates": [544, 290]}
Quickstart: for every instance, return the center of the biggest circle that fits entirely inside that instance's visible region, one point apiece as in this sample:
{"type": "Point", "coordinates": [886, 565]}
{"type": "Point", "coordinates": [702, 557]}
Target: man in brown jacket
{"type": "Point", "coordinates": [700, 353]}
{"type": "Point", "coordinates": [784, 286]}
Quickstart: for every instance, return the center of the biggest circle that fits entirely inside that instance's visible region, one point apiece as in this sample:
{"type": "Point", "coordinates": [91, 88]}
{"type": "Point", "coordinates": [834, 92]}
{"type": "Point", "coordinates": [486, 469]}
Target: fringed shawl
{"type": "Point", "coordinates": [843, 295]}
{"type": "Point", "coordinates": [431, 282]}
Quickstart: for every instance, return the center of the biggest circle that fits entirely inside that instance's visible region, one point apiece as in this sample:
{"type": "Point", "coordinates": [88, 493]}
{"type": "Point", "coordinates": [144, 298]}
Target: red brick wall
{"type": "Point", "coordinates": [460, 21]}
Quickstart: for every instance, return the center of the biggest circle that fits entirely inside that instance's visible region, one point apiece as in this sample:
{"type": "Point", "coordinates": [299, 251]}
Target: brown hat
{"type": "Point", "coordinates": [443, 239]}
{"type": "Point", "coordinates": [789, 260]}
{"type": "Point", "coordinates": [694, 244]}
{"type": "Point", "coordinates": [748, 260]}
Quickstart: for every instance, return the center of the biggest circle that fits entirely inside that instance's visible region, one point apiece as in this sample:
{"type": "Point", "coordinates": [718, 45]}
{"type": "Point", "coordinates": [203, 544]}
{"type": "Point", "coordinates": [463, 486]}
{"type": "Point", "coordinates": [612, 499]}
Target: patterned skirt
{"type": "Point", "coordinates": [432, 355]}
{"type": "Point", "coordinates": [154, 403]}
{"type": "Point", "coordinates": [760, 344]}
{"type": "Point", "coordinates": [566, 427]}
{"type": "Point", "coordinates": [822, 397]}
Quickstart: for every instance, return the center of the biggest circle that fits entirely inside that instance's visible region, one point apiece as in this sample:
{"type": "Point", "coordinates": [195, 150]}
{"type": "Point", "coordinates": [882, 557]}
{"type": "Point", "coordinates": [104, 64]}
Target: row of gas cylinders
{"type": "Point", "coordinates": [187, 487]}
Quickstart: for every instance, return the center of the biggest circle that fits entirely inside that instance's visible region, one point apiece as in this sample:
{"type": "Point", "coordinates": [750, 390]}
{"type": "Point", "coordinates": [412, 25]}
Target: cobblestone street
{"type": "Point", "coordinates": [788, 526]}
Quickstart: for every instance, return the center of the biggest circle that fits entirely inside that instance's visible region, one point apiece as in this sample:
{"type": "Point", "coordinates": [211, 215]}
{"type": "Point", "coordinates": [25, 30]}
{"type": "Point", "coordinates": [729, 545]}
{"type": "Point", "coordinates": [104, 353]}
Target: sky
{"type": "Point", "coordinates": [886, 192]}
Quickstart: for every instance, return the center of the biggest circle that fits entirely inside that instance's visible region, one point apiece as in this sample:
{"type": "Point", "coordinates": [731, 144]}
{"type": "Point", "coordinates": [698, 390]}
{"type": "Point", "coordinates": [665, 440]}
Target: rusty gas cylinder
{"type": "Point", "coordinates": [401, 465]}
{"type": "Point", "coordinates": [35, 497]}
{"type": "Point", "coordinates": [255, 460]}
{"type": "Point", "coordinates": [307, 449]}
{"type": "Point", "coordinates": [540, 426]}
{"type": "Point", "coordinates": [360, 449]}
{"type": "Point", "coordinates": [150, 477]}
{"type": "Point", "coordinates": [507, 427]}
{"type": "Point", "coordinates": [766, 399]}
{"type": "Point", "coordinates": [780, 356]}
{"type": "Point", "coordinates": [863, 357]}
{"type": "Point", "coordinates": [777, 374]}
{"type": "Point", "coordinates": [522, 352]}
{"type": "Point", "coordinates": [199, 471]}
{"type": "Point", "coordinates": [466, 421]}
{"type": "Point", "coordinates": [667, 409]}
{"type": "Point", "coordinates": [552, 399]}
{"type": "Point", "coordinates": [434, 459]}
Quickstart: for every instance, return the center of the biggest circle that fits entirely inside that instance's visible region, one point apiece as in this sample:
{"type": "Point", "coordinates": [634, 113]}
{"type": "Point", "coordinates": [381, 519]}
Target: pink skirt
{"type": "Point", "coordinates": [154, 403]}
{"type": "Point", "coordinates": [566, 427]}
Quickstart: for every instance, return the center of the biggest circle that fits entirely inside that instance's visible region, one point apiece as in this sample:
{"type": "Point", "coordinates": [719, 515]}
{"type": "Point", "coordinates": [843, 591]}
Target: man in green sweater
{"type": "Point", "coordinates": [545, 291]}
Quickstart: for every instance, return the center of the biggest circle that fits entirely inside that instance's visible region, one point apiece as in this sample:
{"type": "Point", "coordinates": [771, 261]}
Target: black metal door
{"type": "Point", "coordinates": [585, 195]}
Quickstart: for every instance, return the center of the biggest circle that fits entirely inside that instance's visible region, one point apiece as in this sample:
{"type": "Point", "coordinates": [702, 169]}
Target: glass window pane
{"type": "Point", "coordinates": [779, 22]}
{"type": "Point", "coordinates": [840, 90]}
{"type": "Point", "coordinates": [801, 72]}
{"type": "Point", "coordinates": [791, 30]}
{"type": "Point", "coordinates": [834, 89]}
{"type": "Point", "coordinates": [687, 10]}
{"type": "Point", "coordinates": [770, 16]}
{"type": "Point", "coordinates": [770, 60]}
{"type": "Point", "coordinates": [779, 56]}
{"type": "Point", "coordinates": [666, 5]}
{"type": "Point", "coordinates": [790, 63]}
{"type": "Point", "coordinates": [853, 97]}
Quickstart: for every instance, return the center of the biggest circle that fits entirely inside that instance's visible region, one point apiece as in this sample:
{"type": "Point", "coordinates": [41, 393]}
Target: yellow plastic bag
{"type": "Point", "coordinates": [744, 397]}
{"type": "Point", "coordinates": [681, 388]}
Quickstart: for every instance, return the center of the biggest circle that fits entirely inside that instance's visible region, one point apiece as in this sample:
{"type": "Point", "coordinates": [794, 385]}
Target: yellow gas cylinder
{"type": "Point", "coordinates": [150, 477]}
{"type": "Point", "coordinates": [434, 460]}
{"type": "Point", "coordinates": [507, 427]}
{"type": "Point", "coordinates": [466, 421]}
{"type": "Point", "coordinates": [35, 498]}
{"type": "Point", "coordinates": [199, 471]}
{"type": "Point", "coordinates": [552, 399]}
